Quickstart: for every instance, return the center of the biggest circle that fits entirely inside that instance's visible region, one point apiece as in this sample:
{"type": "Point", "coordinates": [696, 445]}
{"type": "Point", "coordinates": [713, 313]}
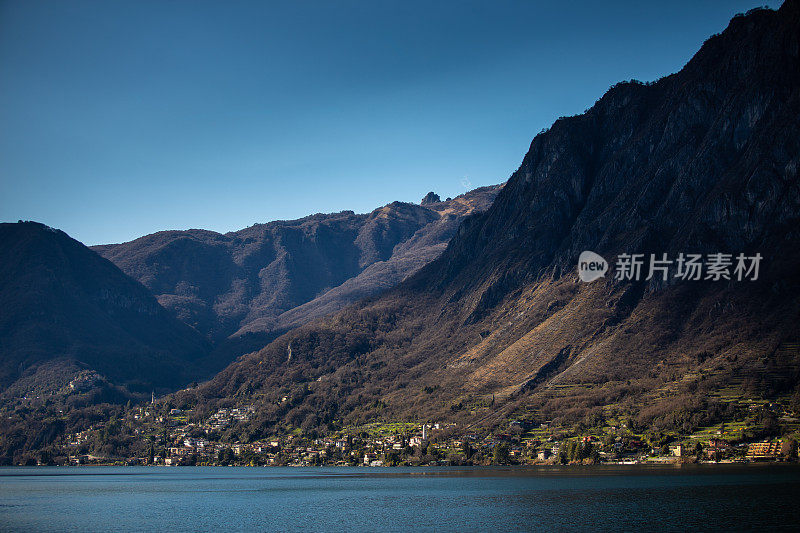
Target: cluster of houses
{"type": "Point", "coordinates": [292, 450]}
{"type": "Point", "coordinates": [223, 418]}
{"type": "Point", "coordinates": [180, 443]}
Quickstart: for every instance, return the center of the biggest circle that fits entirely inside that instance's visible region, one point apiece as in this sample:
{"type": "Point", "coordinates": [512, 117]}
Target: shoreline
{"type": "Point", "coordinates": [647, 464]}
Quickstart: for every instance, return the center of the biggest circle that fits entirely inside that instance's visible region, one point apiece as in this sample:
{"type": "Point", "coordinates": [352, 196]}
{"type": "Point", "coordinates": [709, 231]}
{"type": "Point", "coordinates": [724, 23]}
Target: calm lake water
{"type": "Point", "coordinates": [724, 497]}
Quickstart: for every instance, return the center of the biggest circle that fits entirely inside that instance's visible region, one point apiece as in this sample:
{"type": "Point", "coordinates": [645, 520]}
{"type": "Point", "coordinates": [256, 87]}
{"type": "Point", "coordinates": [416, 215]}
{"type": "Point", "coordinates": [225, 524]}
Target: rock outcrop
{"type": "Point", "coordinates": [430, 198]}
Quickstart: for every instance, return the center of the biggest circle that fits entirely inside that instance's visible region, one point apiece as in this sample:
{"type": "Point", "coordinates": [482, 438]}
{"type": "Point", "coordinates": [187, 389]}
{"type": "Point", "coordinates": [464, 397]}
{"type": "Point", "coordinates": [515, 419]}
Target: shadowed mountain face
{"type": "Point", "coordinates": [68, 311]}
{"type": "Point", "coordinates": [702, 161]}
{"type": "Point", "coordinates": [270, 277]}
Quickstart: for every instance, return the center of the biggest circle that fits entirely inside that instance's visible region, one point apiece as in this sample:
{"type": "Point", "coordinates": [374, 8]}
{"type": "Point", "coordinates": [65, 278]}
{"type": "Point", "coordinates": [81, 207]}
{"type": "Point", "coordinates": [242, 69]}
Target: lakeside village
{"type": "Point", "coordinates": [168, 438]}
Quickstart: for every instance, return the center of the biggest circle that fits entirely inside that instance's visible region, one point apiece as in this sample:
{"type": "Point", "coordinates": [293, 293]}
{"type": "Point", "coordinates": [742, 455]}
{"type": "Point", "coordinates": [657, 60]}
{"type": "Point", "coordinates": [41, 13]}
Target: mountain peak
{"type": "Point", "coordinates": [430, 198]}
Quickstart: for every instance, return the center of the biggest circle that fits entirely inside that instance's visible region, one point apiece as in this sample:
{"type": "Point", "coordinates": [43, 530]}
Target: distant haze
{"type": "Point", "coordinates": [123, 118]}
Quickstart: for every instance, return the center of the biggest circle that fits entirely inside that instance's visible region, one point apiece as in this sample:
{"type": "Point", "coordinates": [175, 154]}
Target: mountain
{"type": "Point", "coordinates": [702, 161]}
{"type": "Point", "coordinates": [498, 332]}
{"type": "Point", "coordinates": [70, 315]}
{"type": "Point", "coordinates": [271, 277]}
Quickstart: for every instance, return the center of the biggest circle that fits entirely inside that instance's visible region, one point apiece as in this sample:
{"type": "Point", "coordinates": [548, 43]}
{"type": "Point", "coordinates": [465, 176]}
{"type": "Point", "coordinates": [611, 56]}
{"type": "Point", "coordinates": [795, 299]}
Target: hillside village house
{"type": "Point", "coordinates": [764, 450]}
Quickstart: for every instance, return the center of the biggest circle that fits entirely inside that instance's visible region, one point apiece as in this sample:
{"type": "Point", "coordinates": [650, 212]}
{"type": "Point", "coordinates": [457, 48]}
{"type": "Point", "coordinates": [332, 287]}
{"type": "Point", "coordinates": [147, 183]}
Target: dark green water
{"type": "Point", "coordinates": [725, 497]}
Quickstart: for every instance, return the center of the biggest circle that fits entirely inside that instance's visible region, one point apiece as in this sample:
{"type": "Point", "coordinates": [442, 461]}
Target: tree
{"type": "Point", "coordinates": [572, 451]}
{"type": "Point", "coordinates": [794, 404]}
{"type": "Point", "coordinates": [789, 448]}
{"type": "Point", "coordinates": [466, 449]}
{"type": "Point", "coordinates": [226, 456]}
{"type": "Point", "coordinates": [585, 451]}
{"type": "Point", "coordinates": [501, 453]}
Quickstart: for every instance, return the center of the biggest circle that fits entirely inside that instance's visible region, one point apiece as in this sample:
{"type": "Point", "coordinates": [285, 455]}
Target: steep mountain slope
{"type": "Point", "coordinates": [270, 277]}
{"type": "Point", "coordinates": [67, 311]}
{"type": "Point", "coordinates": [702, 161]}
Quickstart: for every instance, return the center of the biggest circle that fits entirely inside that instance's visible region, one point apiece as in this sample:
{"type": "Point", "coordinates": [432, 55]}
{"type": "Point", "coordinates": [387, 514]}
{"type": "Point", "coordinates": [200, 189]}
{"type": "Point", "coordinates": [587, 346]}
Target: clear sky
{"type": "Point", "coordinates": [118, 119]}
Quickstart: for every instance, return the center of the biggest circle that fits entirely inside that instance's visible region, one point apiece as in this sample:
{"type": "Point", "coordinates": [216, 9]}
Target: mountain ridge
{"type": "Point", "coordinates": [270, 277]}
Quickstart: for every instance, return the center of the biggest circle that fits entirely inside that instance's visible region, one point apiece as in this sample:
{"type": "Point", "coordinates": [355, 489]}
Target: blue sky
{"type": "Point", "coordinates": [118, 119]}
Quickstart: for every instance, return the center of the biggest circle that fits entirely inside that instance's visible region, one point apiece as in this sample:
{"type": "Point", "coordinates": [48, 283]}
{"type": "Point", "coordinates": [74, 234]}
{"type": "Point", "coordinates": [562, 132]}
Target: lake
{"type": "Point", "coordinates": [606, 498]}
